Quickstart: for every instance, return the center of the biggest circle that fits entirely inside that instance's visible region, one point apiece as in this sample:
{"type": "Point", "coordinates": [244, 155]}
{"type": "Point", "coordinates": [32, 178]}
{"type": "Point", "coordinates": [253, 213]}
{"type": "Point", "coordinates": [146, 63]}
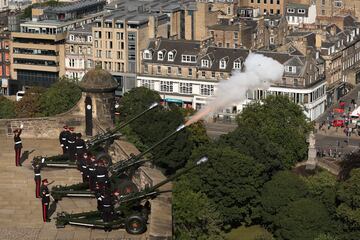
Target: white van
{"type": "Point", "coordinates": [19, 95]}
{"type": "Point", "coordinates": [355, 115]}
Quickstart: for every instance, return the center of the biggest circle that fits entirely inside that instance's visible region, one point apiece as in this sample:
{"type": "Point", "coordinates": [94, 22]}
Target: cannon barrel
{"type": "Point", "coordinates": [136, 160]}
{"type": "Point", "coordinates": [154, 190]}
{"type": "Point", "coordinates": [103, 137]}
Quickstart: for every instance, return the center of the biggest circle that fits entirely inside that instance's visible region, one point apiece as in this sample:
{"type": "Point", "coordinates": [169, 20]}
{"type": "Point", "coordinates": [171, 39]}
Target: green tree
{"type": "Point", "coordinates": [29, 105]}
{"type": "Point", "coordinates": [195, 216]}
{"type": "Point", "coordinates": [323, 186]}
{"type": "Point", "coordinates": [7, 108]}
{"type": "Point", "coordinates": [273, 132]}
{"type": "Point", "coordinates": [304, 219]}
{"type": "Point", "coordinates": [135, 101]}
{"type": "Point", "coordinates": [59, 98]}
{"type": "Point", "coordinates": [285, 187]}
{"type": "Point", "coordinates": [232, 181]}
{"type": "Point", "coordinates": [326, 236]}
{"type": "Point", "coordinates": [349, 195]}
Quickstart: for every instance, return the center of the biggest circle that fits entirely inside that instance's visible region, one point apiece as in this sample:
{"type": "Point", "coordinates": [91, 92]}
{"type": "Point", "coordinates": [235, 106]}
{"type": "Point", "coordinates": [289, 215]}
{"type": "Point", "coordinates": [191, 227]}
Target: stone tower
{"type": "Point", "coordinates": [98, 95]}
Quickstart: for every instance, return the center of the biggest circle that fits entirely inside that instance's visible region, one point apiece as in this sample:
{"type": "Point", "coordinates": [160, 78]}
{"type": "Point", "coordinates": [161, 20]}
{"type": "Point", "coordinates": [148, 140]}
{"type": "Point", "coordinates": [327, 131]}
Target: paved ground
{"type": "Point", "coordinates": [20, 211]}
{"type": "Point", "coordinates": [215, 130]}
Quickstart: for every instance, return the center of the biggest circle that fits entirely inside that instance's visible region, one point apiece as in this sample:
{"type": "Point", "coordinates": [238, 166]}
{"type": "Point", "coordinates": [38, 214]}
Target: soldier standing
{"type": "Point", "coordinates": [37, 178]}
{"type": "Point", "coordinates": [18, 145]}
{"type": "Point", "coordinates": [71, 144]}
{"type": "Point", "coordinates": [80, 146]}
{"type": "Point", "coordinates": [45, 200]}
{"type": "Point", "coordinates": [92, 173]}
{"type": "Point", "coordinates": [107, 206]}
{"type": "Point", "coordinates": [63, 138]}
{"type": "Point", "coordinates": [82, 166]}
{"type": "Point", "coordinates": [102, 175]}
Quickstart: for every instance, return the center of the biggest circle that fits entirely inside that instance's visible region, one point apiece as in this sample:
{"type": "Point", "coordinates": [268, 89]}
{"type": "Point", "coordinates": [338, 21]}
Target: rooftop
{"type": "Point", "coordinates": [75, 6]}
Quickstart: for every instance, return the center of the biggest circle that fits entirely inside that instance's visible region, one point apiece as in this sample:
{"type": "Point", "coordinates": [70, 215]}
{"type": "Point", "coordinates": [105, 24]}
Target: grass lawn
{"type": "Point", "coordinates": [248, 233]}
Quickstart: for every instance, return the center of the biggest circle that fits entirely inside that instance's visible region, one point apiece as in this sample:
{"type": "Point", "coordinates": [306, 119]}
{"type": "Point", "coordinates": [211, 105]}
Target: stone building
{"type": "Point", "coordinates": [266, 6]}
{"type": "Point", "coordinates": [276, 30]}
{"type": "Point", "coordinates": [5, 63]}
{"type": "Point", "coordinates": [79, 52]}
{"type": "Point", "coordinates": [187, 73]}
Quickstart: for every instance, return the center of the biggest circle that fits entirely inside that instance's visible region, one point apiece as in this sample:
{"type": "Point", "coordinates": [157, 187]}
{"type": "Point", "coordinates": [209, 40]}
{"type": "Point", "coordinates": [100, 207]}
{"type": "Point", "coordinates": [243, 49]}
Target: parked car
{"type": "Point", "coordinates": [338, 123]}
{"type": "Point", "coordinates": [19, 95]}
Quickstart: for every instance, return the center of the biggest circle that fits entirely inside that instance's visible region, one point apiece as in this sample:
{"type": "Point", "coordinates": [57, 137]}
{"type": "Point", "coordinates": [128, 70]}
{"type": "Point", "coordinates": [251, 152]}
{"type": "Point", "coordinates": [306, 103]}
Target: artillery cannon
{"type": "Point", "coordinates": [120, 175]}
{"type": "Point", "coordinates": [131, 212]}
{"type": "Point", "coordinates": [97, 145]}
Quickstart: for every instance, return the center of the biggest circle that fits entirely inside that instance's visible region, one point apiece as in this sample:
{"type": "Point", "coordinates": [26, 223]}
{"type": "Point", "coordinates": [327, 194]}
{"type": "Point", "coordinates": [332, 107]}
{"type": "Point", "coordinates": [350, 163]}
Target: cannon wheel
{"type": "Point", "coordinates": [102, 156]}
{"type": "Point", "coordinates": [135, 224]}
{"type": "Point", "coordinates": [127, 187]}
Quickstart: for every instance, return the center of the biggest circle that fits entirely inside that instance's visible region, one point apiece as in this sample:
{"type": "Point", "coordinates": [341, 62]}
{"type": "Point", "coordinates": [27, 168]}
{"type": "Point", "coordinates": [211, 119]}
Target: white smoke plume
{"type": "Point", "coordinates": [259, 72]}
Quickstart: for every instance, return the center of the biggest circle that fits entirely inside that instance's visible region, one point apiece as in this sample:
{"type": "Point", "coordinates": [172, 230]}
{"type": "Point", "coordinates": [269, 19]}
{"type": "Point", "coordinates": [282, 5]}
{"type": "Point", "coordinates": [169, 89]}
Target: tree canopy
{"type": "Point", "coordinates": [231, 180]}
{"type": "Point", "coordinates": [59, 98]}
{"type": "Point", "coordinates": [273, 132]}
{"type": "Point", "coordinates": [29, 105]}
{"type": "Point", "coordinates": [7, 108]}
{"type": "Point", "coordinates": [195, 215]}
{"type": "Point", "coordinates": [284, 188]}
{"type": "Point", "coordinates": [304, 219]}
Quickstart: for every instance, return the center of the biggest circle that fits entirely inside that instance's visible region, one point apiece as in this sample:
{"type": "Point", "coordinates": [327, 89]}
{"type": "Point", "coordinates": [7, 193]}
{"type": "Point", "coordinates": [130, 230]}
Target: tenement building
{"type": "Point", "coordinates": [78, 52]}
{"type": "Point", "coordinates": [187, 73]}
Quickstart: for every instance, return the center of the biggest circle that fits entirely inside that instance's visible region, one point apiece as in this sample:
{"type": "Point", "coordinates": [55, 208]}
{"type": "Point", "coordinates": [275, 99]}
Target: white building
{"type": "Point", "coordinates": [298, 14]}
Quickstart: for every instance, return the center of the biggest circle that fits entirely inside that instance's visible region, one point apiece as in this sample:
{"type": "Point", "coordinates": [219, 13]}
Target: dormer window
{"type": "Point", "coordinates": [188, 58]}
{"type": "Point", "coordinates": [147, 55]}
{"type": "Point", "coordinates": [72, 37]}
{"type": "Point", "coordinates": [171, 56]}
{"type": "Point", "coordinates": [205, 63]}
{"type": "Point", "coordinates": [291, 10]}
{"type": "Point", "coordinates": [237, 65]}
{"type": "Point", "coordinates": [290, 69]}
{"type": "Point", "coordinates": [301, 11]}
{"type": "Point", "coordinates": [160, 56]}
{"type": "Point", "coordinates": [222, 64]}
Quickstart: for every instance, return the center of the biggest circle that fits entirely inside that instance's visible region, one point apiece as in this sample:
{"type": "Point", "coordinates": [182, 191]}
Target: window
{"type": "Point", "coordinates": [146, 68]}
{"type": "Point", "coordinates": [72, 37]}
{"type": "Point", "coordinates": [108, 54]}
{"type": "Point", "coordinates": [323, 2]}
{"type": "Point", "coordinates": [258, 1]}
{"type": "Point", "coordinates": [98, 53]}
{"type": "Point", "coordinates": [278, 11]}
{"type": "Point", "coordinates": [301, 11]}
{"type": "Point", "coordinates": [80, 50]}
{"type": "Point", "coordinates": [206, 90]}
{"type": "Point", "coordinates": [338, 3]}
{"type": "Point", "coordinates": [205, 63]}
{"type": "Point", "coordinates": [237, 64]}
{"type": "Point", "coordinates": [179, 71]}
{"type": "Point", "coordinates": [147, 83]}
{"type": "Point", "coordinates": [169, 70]}
{"type": "Point", "coordinates": [229, 10]}
{"type": "Point", "coordinates": [203, 73]}
{"type": "Point", "coordinates": [213, 74]}
{"type": "Point", "coordinates": [277, 2]}
{"type": "Point", "coordinates": [171, 56]}
{"type": "Point", "coordinates": [71, 49]}
{"type": "Point", "coordinates": [186, 88]}
{"type": "Point", "coordinates": [272, 40]}
{"type": "Point", "coordinates": [188, 58]}
{"type": "Point", "coordinates": [291, 10]}
{"type": "Point", "coordinates": [222, 64]}
{"type": "Point", "coordinates": [323, 12]}
{"type": "Point", "coordinates": [290, 69]}
{"type": "Point", "coordinates": [158, 69]}
{"type": "Point", "coordinates": [160, 56]}
{"type": "Point", "coordinates": [236, 35]}
{"type": "Point", "coordinates": [227, 45]}
{"type": "Point", "coordinates": [271, 1]}
{"type": "Point", "coordinates": [166, 86]}
{"type": "Point", "coordinates": [190, 72]}
{"type": "Point", "coordinates": [147, 54]}
{"type": "Point", "coordinates": [271, 11]}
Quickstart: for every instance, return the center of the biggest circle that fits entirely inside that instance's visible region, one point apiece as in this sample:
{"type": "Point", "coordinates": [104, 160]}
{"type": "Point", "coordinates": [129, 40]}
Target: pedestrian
{"type": "Point", "coordinates": [37, 178]}
{"type": "Point", "coordinates": [71, 148]}
{"type": "Point", "coordinates": [80, 145]}
{"type": "Point", "coordinates": [18, 145]}
{"type": "Point", "coordinates": [63, 138]}
{"type": "Point", "coordinates": [45, 200]}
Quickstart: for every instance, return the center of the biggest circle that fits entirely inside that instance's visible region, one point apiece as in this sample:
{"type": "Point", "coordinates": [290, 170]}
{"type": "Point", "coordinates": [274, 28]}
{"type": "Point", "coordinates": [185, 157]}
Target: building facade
{"type": "Point", "coordinates": [187, 72]}
{"type": "Point", "coordinates": [270, 7]}
{"type": "Point", "coordinates": [79, 52]}
{"type": "Point", "coordinates": [5, 62]}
